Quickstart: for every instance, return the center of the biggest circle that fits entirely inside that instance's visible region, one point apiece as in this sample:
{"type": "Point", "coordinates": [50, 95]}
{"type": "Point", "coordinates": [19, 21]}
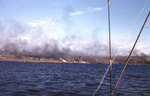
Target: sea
{"type": "Point", "coordinates": [62, 79]}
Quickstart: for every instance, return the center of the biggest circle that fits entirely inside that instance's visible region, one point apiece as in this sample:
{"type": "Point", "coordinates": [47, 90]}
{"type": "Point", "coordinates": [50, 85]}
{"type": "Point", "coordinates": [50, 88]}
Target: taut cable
{"type": "Point", "coordinates": [129, 55]}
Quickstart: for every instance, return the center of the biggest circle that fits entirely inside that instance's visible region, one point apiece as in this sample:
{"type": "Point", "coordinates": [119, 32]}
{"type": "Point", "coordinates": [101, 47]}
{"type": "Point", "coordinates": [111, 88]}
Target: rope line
{"type": "Point", "coordinates": [110, 62]}
{"type": "Point", "coordinates": [130, 54]}
{"type": "Point", "coordinates": [100, 83]}
{"type": "Point", "coordinates": [130, 28]}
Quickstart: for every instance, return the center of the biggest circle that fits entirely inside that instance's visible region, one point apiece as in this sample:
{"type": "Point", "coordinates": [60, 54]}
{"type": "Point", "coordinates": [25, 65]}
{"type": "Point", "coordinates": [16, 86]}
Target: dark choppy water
{"type": "Point", "coordinates": [47, 79]}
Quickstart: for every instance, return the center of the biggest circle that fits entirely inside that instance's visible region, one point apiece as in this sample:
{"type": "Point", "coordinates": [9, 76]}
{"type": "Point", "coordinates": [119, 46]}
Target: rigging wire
{"type": "Point", "coordinates": [100, 83]}
{"type": "Point", "coordinates": [104, 76]}
{"type": "Point", "coordinates": [130, 28]}
{"type": "Point", "coordinates": [110, 62]}
{"type": "Point", "coordinates": [130, 54]}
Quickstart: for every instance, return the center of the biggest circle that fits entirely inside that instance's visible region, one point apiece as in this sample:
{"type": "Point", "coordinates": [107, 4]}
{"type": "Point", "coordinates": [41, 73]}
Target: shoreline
{"type": "Point", "coordinates": [63, 62]}
{"type": "Point", "coordinates": [134, 60]}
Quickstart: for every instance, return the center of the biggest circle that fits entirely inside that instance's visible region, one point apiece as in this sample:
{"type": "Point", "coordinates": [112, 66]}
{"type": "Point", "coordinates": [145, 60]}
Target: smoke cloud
{"type": "Point", "coordinates": [22, 39]}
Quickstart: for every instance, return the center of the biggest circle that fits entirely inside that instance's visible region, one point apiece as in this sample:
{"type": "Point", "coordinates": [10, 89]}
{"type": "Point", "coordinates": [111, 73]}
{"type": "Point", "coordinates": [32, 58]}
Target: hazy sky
{"type": "Point", "coordinates": [76, 21]}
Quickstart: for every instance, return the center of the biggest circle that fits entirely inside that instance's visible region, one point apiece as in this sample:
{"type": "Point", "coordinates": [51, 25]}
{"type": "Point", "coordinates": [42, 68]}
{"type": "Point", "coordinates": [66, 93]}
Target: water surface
{"type": "Point", "coordinates": [52, 79]}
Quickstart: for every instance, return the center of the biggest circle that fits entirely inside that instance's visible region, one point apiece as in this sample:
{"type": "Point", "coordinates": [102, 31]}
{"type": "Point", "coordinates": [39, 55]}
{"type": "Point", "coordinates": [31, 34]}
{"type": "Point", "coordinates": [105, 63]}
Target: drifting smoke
{"type": "Point", "coordinates": [21, 39]}
{"type": "Point", "coordinates": [13, 41]}
{"type": "Point", "coordinates": [137, 52]}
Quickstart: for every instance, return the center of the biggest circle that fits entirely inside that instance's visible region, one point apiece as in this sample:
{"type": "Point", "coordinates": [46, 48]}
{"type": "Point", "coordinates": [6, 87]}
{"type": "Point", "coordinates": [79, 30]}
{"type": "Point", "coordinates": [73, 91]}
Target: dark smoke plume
{"type": "Point", "coordinates": [20, 39]}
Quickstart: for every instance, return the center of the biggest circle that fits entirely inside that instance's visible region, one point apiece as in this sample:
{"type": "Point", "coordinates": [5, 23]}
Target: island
{"type": "Point", "coordinates": [136, 60]}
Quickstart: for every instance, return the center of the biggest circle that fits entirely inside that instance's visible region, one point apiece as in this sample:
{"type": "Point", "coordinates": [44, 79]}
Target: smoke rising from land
{"type": "Point", "coordinates": [21, 39]}
{"type": "Point", "coordinates": [16, 39]}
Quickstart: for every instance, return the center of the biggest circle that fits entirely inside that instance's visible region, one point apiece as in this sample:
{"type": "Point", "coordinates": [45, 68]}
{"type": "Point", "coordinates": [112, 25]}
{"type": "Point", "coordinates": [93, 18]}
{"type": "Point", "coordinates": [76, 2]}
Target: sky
{"type": "Point", "coordinates": [76, 23]}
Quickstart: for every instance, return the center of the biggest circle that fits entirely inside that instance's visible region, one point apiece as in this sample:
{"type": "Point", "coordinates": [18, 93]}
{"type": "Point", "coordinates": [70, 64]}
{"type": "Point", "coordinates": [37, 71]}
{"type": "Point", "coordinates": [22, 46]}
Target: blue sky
{"type": "Point", "coordinates": [76, 21]}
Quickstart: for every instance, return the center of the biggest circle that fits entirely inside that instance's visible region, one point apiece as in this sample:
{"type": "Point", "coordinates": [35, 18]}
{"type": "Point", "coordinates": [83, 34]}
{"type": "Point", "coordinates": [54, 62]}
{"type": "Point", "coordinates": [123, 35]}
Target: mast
{"type": "Point", "coordinates": [110, 62]}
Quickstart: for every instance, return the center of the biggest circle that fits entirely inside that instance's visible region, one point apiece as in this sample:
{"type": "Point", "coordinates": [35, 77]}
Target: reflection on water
{"type": "Point", "coordinates": [51, 79]}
